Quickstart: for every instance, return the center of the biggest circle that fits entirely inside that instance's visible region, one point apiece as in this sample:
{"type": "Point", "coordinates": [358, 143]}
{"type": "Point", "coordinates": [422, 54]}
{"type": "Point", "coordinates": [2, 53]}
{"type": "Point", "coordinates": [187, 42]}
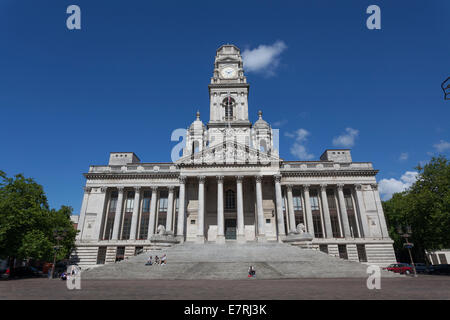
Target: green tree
{"type": "Point", "coordinates": [425, 206]}
{"type": "Point", "coordinates": [27, 222]}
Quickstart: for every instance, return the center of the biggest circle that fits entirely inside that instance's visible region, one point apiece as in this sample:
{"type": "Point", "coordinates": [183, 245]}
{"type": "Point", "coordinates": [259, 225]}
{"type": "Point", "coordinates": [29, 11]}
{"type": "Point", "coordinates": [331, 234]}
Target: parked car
{"type": "Point", "coordinates": [422, 267]}
{"type": "Point", "coordinates": [24, 272]}
{"type": "Point", "coordinates": [4, 273]}
{"type": "Point", "coordinates": [402, 268]}
{"type": "Point", "coordinates": [440, 269]}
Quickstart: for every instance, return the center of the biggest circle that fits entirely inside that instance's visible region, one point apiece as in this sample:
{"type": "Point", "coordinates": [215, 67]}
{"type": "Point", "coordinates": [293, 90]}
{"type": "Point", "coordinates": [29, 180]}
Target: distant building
{"type": "Point", "coordinates": [439, 256]}
{"type": "Point", "coordinates": [231, 185]}
{"type": "Point", "coordinates": [75, 218]}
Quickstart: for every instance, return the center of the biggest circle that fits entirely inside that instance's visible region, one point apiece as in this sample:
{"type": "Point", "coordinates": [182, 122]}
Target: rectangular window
{"type": "Point", "coordinates": [126, 226]}
{"type": "Point", "coordinates": [361, 252]}
{"type": "Point", "coordinates": [163, 201]}
{"type": "Point", "coordinates": [323, 248]}
{"type": "Point", "coordinates": [442, 258]}
{"type": "Point", "coordinates": [297, 203]}
{"type": "Point", "coordinates": [353, 224]}
{"type": "Point", "coordinates": [314, 199]}
{"type": "Point", "coordinates": [143, 232]}
{"type": "Point", "coordinates": [348, 199]}
{"type": "Point", "coordinates": [101, 255]}
{"type": "Point", "coordinates": [331, 199]}
{"type": "Point", "coordinates": [335, 224]}
{"type": "Point", "coordinates": [342, 251]}
{"type": "Point", "coordinates": [318, 233]}
{"type": "Point", "coordinates": [129, 204]}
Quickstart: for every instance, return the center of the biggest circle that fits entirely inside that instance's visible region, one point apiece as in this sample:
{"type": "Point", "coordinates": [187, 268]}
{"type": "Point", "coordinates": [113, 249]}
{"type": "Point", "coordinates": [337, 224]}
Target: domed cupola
{"type": "Point", "coordinates": [260, 123]}
{"type": "Point", "coordinates": [262, 135]}
{"type": "Point", "coordinates": [195, 137]}
{"type": "Point", "coordinates": [197, 126]}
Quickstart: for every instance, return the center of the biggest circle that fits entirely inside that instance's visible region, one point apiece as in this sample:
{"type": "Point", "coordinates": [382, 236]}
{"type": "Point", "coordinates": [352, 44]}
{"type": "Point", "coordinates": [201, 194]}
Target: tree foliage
{"type": "Point", "coordinates": [27, 223]}
{"type": "Point", "coordinates": [425, 206]}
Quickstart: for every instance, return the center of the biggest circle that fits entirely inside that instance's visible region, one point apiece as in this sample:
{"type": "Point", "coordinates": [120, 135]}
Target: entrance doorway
{"type": "Point", "coordinates": [230, 229]}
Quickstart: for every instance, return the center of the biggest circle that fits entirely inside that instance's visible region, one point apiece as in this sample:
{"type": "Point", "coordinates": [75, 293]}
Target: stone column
{"type": "Point", "coordinates": [259, 207]}
{"type": "Point", "coordinates": [181, 207]}
{"type": "Point", "coordinates": [343, 210]}
{"type": "Point", "coordinates": [326, 211]}
{"type": "Point", "coordinates": [240, 210]}
{"type": "Point", "coordinates": [98, 221]}
{"type": "Point", "coordinates": [117, 217]}
{"type": "Point", "coordinates": [152, 222]}
{"type": "Point", "coordinates": [134, 217]}
{"type": "Point", "coordinates": [292, 227]}
{"type": "Point", "coordinates": [83, 211]}
{"type": "Point", "coordinates": [362, 211]}
{"type": "Point", "coordinates": [279, 200]}
{"type": "Point", "coordinates": [384, 229]}
{"type": "Point", "coordinates": [201, 210]}
{"type": "Point", "coordinates": [220, 215]}
{"type": "Point", "coordinates": [308, 211]}
{"type": "Point", "coordinates": [169, 216]}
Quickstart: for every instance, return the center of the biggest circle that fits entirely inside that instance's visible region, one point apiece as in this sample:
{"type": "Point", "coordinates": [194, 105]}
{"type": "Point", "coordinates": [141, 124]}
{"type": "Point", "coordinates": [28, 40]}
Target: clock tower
{"type": "Point", "coordinates": [228, 95]}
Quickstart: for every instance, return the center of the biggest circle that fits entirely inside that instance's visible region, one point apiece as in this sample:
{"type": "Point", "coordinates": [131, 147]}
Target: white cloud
{"type": "Point", "coordinates": [279, 123]}
{"type": "Point", "coordinates": [403, 156]}
{"type": "Point", "coordinates": [346, 139]}
{"type": "Point", "coordinates": [298, 149]}
{"type": "Point", "coordinates": [442, 146]}
{"type": "Point", "coordinates": [390, 186]}
{"type": "Point", "coordinates": [264, 58]}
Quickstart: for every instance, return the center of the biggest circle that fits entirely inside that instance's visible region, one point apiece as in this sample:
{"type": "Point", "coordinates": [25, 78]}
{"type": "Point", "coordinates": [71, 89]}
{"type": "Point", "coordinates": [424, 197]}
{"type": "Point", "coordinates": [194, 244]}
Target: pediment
{"type": "Point", "coordinates": [229, 152]}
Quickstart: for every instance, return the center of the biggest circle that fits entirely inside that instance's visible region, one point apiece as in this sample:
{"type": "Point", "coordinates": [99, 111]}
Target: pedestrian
{"type": "Point", "coordinates": [157, 262]}
{"type": "Point", "coordinates": [251, 272]}
{"type": "Point", "coordinates": [163, 259]}
{"type": "Point", "coordinates": [149, 261]}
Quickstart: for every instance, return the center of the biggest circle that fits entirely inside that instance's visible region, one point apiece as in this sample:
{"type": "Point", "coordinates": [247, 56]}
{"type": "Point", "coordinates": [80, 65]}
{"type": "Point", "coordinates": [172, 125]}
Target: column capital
{"type": "Point", "coordinates": [120, 189]}
{"type": "Point", "coordinates": [277, 178]}
{"type": "Point", "coordinates": [154, 188]}
{"type": "Point", "coordinates": [137, 188]}
{"type": "Point", "coordinates": [219, 179]}
{"type": "Point", "coordinates": [87, 189]}
{"type": "Point", "coordinates": [306, 187]}
{"type": "Point", "coordinates": [258, 178]}
{"type": "Point", "coordinates": [374, 186]}
{"type": "Point", "coordinates": [171, 188]}
{"type": "Point", "coordinates": [201, 179]}
{"type": "Point", "coordinates": [358, 187]}
{"type": "Point", "coordinates": [239, 178]}
{"type": "Point", "coordinates": [289, 187]}
{"type": "Point", "coordinates": [323, 186]}
{"type": "Point", "coordinates": [182, 179]}
{"type": "Point", "coordinates": [103, 189]}
{"type": "Point", "coordinates": [340, 186]}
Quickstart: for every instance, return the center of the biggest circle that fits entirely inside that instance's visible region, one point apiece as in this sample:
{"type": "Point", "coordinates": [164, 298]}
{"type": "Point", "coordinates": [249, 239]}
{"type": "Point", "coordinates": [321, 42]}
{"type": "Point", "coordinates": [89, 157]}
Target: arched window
{"type": "Point", "coordinates": [228, 104]}
{"type": "Point", "coordinates": [230, 200]}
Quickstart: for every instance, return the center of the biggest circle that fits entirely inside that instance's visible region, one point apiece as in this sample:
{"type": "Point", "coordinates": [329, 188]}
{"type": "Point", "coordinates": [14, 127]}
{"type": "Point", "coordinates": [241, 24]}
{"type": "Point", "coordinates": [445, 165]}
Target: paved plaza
{"type": "Point", "coordinates": [422, 287]}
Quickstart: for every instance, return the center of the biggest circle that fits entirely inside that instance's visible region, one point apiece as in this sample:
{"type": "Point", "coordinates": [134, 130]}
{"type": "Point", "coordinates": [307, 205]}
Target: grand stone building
{"type": "Point", "coordinates": [231, 185]}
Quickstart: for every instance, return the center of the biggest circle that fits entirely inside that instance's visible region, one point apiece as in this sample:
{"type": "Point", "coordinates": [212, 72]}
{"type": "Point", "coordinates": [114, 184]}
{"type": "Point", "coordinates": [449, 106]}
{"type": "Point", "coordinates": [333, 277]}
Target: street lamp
{"type": "Point", "coordinates": [408, 245]}
{"type": "Point", "coordinates": [58, 235]}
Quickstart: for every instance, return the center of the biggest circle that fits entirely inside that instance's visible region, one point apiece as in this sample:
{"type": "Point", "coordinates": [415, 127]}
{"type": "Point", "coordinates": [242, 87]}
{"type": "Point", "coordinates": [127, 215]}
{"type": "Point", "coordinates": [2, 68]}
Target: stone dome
{"type": "Point", "coordinates": [260, 123]}
{"type": "Point", "coordinates": [197, 125]}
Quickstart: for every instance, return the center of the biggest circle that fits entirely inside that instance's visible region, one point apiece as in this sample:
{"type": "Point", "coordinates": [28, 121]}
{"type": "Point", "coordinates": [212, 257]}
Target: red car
{"type": "Point", "coordinates": [402, 268]}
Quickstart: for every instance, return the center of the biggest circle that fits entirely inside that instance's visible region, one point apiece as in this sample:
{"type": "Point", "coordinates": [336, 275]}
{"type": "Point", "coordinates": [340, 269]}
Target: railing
{"type": "Point", "coordinates": [142, 167]}
{"type": "Point", "coordinates": [326, 166]}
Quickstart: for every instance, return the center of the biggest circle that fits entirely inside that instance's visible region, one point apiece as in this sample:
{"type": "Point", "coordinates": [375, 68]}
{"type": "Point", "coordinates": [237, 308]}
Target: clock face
{"type": "Point", "coordinates": [228, 72]}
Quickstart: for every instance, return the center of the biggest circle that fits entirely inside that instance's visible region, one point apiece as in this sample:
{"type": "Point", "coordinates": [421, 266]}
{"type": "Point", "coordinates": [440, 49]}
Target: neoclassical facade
{"type": "Point", "coordinates": [231, 185]}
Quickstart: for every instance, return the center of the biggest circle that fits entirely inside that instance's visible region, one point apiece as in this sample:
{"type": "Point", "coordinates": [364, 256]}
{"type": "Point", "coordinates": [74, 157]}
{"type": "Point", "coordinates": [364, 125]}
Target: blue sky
{"type": "Point", "coordinates": [137, 70]}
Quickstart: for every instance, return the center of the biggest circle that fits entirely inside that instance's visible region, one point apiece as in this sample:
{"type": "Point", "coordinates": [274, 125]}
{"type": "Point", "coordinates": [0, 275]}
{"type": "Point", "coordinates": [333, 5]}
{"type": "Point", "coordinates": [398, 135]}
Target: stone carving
{"type": "Point", "coordinates": [301, 229]}
{"type": "Point", "coordinates": [161, 230]}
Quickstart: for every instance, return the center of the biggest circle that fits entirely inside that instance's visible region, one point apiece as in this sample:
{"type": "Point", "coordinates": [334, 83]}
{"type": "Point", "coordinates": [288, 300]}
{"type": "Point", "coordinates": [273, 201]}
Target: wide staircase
{"type": "Point", "coordinates": [231, 261]}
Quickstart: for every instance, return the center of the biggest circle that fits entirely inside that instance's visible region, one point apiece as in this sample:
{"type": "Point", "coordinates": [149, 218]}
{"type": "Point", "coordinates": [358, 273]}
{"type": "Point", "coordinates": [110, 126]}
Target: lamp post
{"type": "Point", "coordinates": [408, 245]}
{"type": "Point", "coordinates": [58, 235]}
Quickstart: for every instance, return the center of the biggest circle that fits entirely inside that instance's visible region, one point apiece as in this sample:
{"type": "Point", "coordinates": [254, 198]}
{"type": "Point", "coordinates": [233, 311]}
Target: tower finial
{"type": "Point", "coordinates": [198, 115]}
{"type": "Point", "coordinates": [260, 114]}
